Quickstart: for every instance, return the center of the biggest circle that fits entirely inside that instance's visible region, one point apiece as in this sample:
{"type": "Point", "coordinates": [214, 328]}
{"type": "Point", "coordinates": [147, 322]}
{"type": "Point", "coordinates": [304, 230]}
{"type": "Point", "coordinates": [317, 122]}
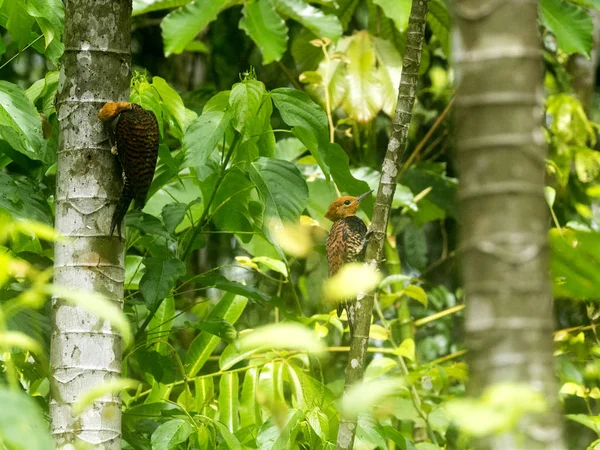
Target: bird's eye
{"type": "Point", "coordinates": [347, 202]}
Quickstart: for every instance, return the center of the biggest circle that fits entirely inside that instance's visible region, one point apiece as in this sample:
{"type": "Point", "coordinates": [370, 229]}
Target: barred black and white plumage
{"type": "Point", "coordinates": [136, 136]}
{"type": "Point", "coordinates": [345, 243]}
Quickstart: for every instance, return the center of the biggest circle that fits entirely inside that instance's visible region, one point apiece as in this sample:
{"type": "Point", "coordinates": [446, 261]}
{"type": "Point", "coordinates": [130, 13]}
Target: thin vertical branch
{"type": "Point", "coordinates": [387, 187]}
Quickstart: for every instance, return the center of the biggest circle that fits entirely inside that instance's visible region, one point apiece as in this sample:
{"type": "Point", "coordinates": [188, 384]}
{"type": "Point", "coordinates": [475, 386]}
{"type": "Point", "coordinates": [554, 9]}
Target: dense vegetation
{"type": "Point", "coordinates": [268, 110]}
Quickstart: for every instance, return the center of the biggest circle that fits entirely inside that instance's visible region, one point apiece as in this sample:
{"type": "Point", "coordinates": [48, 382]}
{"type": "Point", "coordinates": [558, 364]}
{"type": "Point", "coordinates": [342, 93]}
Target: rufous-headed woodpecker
{"type": "Point", "coordinates": [135, 134]}
{"type": "Point", "coordinates": [345, 243]}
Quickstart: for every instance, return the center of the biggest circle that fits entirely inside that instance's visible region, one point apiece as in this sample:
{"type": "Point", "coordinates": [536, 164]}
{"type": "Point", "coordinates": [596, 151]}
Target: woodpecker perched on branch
{"type": "Point", "coordinates": [135, 135]}
{"type": "Point", "coordinates": [346, 242]}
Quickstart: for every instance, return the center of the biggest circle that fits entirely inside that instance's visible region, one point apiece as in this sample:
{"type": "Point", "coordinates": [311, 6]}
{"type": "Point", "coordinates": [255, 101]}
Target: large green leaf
{"type": "Point", "coordinates": [266, 28]}
{"type": "Point", "coordinates": [18, 21]}
{"type": "Point", "coordinates": [321, 24]}
{"type": "Point", "coordinates": [22, 198]}
{"type": "Point", "coordinates": [161, 323]}
{"type": "Point", "coordinates": [232, 442]}
{"type": "Point", "coordinates": [160, 277]}
{"type": "Point", "coordinates": [229, 387]}
{"type": "Point", "coordinates": [271, 437]}
{"type": "Point", "coordinates": [168, 435]}
{"type": "Point", "coordinates": [50, 16]}
{"type": "Point", "coordinates": [571, 25]}
{"type": "Point", "coordinates": [183, 25]}
{"type": "Point", "coordinates": [397, 10]}
{"type": "Point", "coordinates": [363, 98]}
{"type": "Point", "coordinates": [575, 263]}
{"type": "Point", "coordinates": [22, 424]}
{"type": "Point", "coordinates": [229, 210]}
{"type": "Point", "coordinates": [230, 308]}
{"type": "Point", "coordinates": [281, 186]}
{"type": "Point", "coordinates": [440, 22]}
{"type": "Point", "coordinates": [249, 407]}
{"type": "Point", "coordinates": [218, 281]}
{"type": "Point", "coordinates": [20, 123]}
{"type": "Point", "coordinates": [310, 126]}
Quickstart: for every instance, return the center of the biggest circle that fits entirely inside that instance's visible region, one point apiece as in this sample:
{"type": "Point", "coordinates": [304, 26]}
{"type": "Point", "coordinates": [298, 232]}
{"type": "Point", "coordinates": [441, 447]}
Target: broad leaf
{"type": "Point", "coordinates": [22, 424]}
{"type": "Point", "coordinates": [249, 407]}
{"type": "Point", "coordinates": [183, 25]}
{"type": "Point", "coordinates": [571, 25]}
{"type": "Point", "coordinates": [168, 435]}
{"type": "Point", "coordinates": [145, 6]}
{"type": "Point", "coordinates": [20, 123]}
{"type": "Point", "coordinates": [219, 327]}
{"type": "Point", "coordinates": [203, 135]}
{"type": "Point", "coordinates": [161, 323]}
{"type": "Point", "coordinates": [160, 278]}
{"type": "Point", "coordinates": [22, 198]}
{"type": "Point", "coordinates": [321, 24]}
{"type": "Point", "coordinates": [440, 22]}
{"type": "Point", "coordinates": [266, 28]}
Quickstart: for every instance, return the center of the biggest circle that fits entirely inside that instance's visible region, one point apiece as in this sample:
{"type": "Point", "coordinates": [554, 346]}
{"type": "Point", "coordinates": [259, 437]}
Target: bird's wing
{"type": "Point", "coordinates": [336, 247]}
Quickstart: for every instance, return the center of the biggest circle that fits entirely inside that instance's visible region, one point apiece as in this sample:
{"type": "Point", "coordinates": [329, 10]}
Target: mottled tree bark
{"type": "Point", "coordinates": [85, 351]}
{"type": "Point", "coordinates": [387, 186]}
{"type": "Point", "coordinates": [504, 216]}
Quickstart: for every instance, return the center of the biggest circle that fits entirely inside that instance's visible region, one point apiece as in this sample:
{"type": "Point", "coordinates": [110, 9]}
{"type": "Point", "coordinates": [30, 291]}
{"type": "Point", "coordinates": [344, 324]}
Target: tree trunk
{"type": "Point", "coordinates": [504, 216]}
{"type": "Point", "coordinates": [85, 351]}
{"type": "Point", "coordinates": [387, 186]}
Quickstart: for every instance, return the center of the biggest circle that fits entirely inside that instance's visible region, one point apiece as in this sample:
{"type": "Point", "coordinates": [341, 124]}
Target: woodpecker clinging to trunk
{"type": "Point", "coordinates": [345, 242]}
{"type": "Point", "coordinates": [135, 134]}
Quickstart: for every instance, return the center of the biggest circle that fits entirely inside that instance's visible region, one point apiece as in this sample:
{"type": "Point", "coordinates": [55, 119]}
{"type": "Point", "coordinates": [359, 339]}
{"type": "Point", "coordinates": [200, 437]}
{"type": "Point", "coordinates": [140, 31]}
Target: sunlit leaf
{"type": "Point", "coordinates": [27, 429]}
{"type": "Point", "coordinates": [571, 25]}
{"type": "Point", "coordinates": [364, 397]}
{"type": "Point", "coordinates": [285, 335]}
{"type": "Point", "coordinates": [321, 24]}
{"type": "Point", "coordinates": [417, 293]}
{"type": "Point", "coordinates": [20, 124]}
{"type": "Point", "coordinates": [171, 433]}
{"type": "Point", "coordinates": [181, 26]}
{"type": "Point", "coordinates": [228, 401]}
{"type": "Point", "coordinates": [160, 277]}
{"type": "Point", "coordinates": [266, 28]}
{"type": "Point", "coordinates": [406, 349]}
{"type": "Point", "coordinates": [351, 280]}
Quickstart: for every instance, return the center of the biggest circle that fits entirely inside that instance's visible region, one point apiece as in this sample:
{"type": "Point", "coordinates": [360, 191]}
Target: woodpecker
{"type": "Point", "coordinates": [346, 242]}
{"type": "Point", "coordinates": [135, 135]}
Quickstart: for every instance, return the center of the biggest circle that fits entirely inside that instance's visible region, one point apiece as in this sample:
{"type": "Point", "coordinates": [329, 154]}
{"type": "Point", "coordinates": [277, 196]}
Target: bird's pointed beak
{"type": "Point", "coordinates": [362, 196]}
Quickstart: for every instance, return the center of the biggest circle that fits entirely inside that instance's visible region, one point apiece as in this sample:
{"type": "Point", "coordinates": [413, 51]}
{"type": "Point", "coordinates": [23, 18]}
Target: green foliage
{"type": "Point", "coordinates": [236, 347]}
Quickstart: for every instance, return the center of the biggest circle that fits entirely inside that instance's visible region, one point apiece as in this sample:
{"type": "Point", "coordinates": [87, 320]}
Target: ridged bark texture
{"type": "Point", "coordinates": [85, 351]}
{"type": "Point", "coordinates": [504, 216]}
{"type": "Point", "coordinates": [385, 193]}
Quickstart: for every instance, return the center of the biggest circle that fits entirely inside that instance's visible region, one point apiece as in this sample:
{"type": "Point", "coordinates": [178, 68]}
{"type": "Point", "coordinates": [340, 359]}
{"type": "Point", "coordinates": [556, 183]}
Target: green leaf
{"type": "Point", "coordinates": [369, 395]}
{"type": "Point", "coordinates": [146, 6]}
{"type": "Point", "coordinates": [415, 247]}
{"type": "Point", "coordinates": [229, 210]}
{"type": "Point", "coordinates": [266, 28]}
{"type": "Point", "coordinates": [147, 224]}
{"type": "Point", "coordinates": [571, 25]}
{"type": "Point", "coordinates": [370, 431]}
{"type": "Point", "coordinates": [218, 326]}
{"type": "Point", "coordinates": [50, 16]}
{"type": "Point", "coordinates": [272, 264]}
{"type": "Point", "coordinates": [161, 324]}
{"type": "Point", "coordinates": [398, 11]}
{"type": "Point", "coordinates": [321, 24]}
{"type": "Point", "coordinates": [440, 22]}
{"type": "Point", "coordinates": [288, 335]}
{"type": "Point", "coordinates": [587, 164]}
{"type": "Point", "coordinates": [575, 263]}
{"type": "Point", "coordinates": [232, 442]}
{"type": "Point", "coordinates": [169, 434]}
{"type": "Point", "coordinates": [18, 22]}
{"type": "Point", "coordinates": [251, 109]}
{"type": "Point", "coordinates": [22, 198]}
{"type": "Point", "coordinates": [417, 293]}
{"type": "Point", "coordinates": [249, 407]}
{"type": "Point", "coordinates": [228, 401]}
{"type": "Point", "coordinates": [160, 278]}
{"type": "Point", "coordinates": [233, 355]}
{"type": "Point", "coordinates": [592, 422]}
{"type": "Point", "coordinates": [183, 25]}
{"type": "Point", "coordinates": [205, 393]}
{"type": "Point", "coordinates": [406, 349]}
{"type": "Point", "coordinates": [203, 135]}
{"type": "Point", "coordinates": [172, 215]}
{"type": "Point", "coordinates": [378, 367]}
{"type": "Point", "coordinates": [20, 123]}
{"type": "Point", "coordinates": [270, 437]}
{"type": "Point", "coordinates": [22, 424]}
{"type": "Point", "coordinates": [134, 269]}
{"type": "Point", "coordinates": [172, 102]}
{"type": "Point", "coordinates": [220, 282]}
{"type": "Point", "coordinates": [282, 188]}
{"type": "Point", "coordinates": [230, 308]}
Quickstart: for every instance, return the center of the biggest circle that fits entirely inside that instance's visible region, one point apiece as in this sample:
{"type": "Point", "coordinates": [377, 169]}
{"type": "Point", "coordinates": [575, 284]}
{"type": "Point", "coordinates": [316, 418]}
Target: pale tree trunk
{"type": "Point", "coordinates": [381, 212]}
{"type": "Point", "coordinates": [504, 216]}
{"type": "Point", "coordinates": [85, 350]}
